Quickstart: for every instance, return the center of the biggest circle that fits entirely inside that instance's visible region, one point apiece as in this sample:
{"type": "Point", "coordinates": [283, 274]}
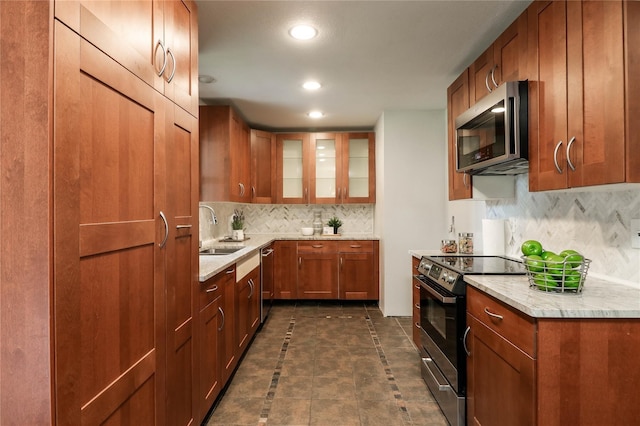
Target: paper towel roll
{"type": "Point", "coordinates": [493, 237]}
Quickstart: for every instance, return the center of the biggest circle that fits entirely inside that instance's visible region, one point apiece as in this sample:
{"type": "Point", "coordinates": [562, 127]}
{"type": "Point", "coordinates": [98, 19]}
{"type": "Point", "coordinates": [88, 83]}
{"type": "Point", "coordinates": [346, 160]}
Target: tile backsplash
{"type": "Point", "coordinates": [284, 218]}
{"type": "Point", "coordinates": [596, 224]}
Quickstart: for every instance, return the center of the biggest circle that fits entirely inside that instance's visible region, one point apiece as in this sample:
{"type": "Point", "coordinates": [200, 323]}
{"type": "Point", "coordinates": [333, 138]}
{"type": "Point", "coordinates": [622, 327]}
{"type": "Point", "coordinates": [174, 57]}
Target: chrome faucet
{"type": "Point", "coordinates": [214, 219]}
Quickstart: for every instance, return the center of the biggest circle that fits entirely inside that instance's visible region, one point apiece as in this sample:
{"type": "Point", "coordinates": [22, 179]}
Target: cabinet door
{"type": "Point", "coordinates": [181, 43]}
{"type": "Point", "coordinates": [482, 76]}
{"type": "Point", "coordinates": [325, 167]}
{"type": "Point", "coordinates": [318, 276]}
{"type": "Point", "coordinates": [210, 345]}
{"type": "Point", "coordinates": [243, 301]}
{"type": "Point", "coordinates": [510, 52]}
{"type": "Point", "coordinates": [263, 167]}
{"type": "Point", "coordinates": [285, 270]}
{"type": "Point", "coordinates": [500, 380]}
{"type": "Point", "coordinates": [228, 354]}
{"type": "Point", "coordinates": [358, 183]}
{"type": "Point", "coordinates": [181, 264]}
{"type": "Point", "coordinates": [596, 93]}
{"type": "Point", "coordinates": [240, 161]}
{"type": "Point", "coordinates": [457, 103]}
{"type": "Point", "coordinates": [109, 268]}
{"type": "Point", "coordinates": [357, 281]}
{"type": "Point", "coordinates": [292, 173]}
{"type": "Point", "coordinates": [548, 97]}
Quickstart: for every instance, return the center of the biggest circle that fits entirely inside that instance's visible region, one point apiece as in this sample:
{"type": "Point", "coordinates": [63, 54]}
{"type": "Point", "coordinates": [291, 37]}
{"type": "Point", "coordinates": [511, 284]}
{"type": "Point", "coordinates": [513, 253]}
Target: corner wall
{"type": "Point", "coordinates": [411, 204]}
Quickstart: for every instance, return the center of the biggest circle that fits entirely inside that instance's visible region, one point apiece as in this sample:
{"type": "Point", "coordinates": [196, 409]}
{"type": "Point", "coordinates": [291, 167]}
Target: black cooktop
{"type": "Point", "coordinates": [481, 265]}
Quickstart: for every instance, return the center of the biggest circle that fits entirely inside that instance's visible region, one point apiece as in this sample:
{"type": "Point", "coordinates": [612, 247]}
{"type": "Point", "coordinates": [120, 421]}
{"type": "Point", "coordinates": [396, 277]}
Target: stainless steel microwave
{"type": "Point", "coordinates": [492, 136]}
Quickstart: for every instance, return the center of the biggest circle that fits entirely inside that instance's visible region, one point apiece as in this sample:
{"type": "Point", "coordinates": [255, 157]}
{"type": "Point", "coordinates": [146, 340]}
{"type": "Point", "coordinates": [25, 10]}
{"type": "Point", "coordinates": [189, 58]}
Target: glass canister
{"type": "Point", "coordinates": [317, 222]}
{"type": "Point", "coordinates": [465, 242]}
{"type": "Point", "coordinates": [449, 246]}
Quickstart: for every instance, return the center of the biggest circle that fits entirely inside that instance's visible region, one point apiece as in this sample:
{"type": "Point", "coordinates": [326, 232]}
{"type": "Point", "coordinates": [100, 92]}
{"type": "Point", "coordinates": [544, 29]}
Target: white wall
{"type": "Point", "coordinates": [410, 210]}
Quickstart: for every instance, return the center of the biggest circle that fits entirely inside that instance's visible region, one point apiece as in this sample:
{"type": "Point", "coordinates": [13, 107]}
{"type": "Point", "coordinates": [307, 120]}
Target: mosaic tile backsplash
{"type": "Point", "coordinates": [284, 218]}
{"type": "Point", "coordinates": [596, 224]}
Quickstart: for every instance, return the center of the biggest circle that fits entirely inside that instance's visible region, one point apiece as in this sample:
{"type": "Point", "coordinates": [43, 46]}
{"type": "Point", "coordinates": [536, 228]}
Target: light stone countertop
{"type": "Point", "coordinates": [211, 265]}
{"type": "Point", "coordinates": [599, 298]}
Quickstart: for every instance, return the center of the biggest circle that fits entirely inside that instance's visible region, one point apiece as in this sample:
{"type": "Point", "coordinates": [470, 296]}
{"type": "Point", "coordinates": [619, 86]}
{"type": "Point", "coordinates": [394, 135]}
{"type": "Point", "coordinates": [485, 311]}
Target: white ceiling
{"type": "Point", "coordinates": [370, 56]}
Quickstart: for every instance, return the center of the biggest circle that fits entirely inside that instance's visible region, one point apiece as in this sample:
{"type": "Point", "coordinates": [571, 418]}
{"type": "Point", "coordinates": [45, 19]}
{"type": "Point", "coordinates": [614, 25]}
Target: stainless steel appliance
{"type": "Point", "coordinates": [443, 324]}
{"type": "Point", "coordinates": [266, 281]}
{"type": "Point", "coordinates": [492, 136]}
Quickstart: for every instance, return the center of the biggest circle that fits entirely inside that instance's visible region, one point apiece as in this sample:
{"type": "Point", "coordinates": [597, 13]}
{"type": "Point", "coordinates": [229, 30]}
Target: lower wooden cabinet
{"type": "Point", "coordinates": [317, 270]}
{"type": "Point", "coordinates": [285, 270]}
{"type": "Point", "coordinates": [247, 308]}
{"type": "Point", "coordinates": [358, 277]}
{"type": "Point", "coordinates": [549, 371]}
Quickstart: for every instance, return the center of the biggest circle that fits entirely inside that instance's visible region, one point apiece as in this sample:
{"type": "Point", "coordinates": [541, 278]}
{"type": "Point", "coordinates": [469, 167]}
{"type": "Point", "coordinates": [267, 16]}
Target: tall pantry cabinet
{"type": "Point", "coordinates": [123, 173]}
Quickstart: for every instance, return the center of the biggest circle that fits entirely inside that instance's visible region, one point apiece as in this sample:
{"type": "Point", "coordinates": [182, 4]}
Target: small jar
{"type": "Point", "coordinates": [449, 246]}
{"type": "Point", "coordinates": [465, 242]}
{"type": "Point", "coordinates": [317, 222]}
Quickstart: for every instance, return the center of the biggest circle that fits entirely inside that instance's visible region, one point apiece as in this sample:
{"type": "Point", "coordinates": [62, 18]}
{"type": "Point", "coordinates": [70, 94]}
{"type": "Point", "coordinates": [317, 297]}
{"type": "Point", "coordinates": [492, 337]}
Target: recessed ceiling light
{"type": "Point", "coordinates": [206, 79]}
{"type": "Point", "coordinates": [316, 114]}
{"type": "Point", "coordinates": [312, 85]}
{"type": "Point", "coordinates": [303, 32]}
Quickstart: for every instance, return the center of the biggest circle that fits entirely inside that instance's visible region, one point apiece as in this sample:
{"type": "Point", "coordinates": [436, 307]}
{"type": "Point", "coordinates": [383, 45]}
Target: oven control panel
{"type": "Point", "coordinates": [441, 275]}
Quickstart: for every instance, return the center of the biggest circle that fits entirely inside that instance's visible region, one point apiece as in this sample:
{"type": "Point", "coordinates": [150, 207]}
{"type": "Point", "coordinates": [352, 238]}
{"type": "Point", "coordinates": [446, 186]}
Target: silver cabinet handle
{"type": "Point", "coordinates": [355, 245]}
{"type": "Point", "coordinates": [251, 285]}
{"type": "Point", "coordinates": [417, 305]}
{"type": "Point", "coordinates": [241, 189]}
{"type": "Point", "coordinates": [317, 245]}
{"type": "Point", "coordinates": [418, 326]}
{"type": "Point", "coordinates": [267, 252]}
{"type": "Point", "coordinates": [253, 192]}
{"type": "Point", "coordinates": [464, 340]}
{"type": "Point", "coordinates": [183, 226]}
{"type": "Point", "coordinates": [573, 139]}
{"type": "Point", "coordinates": [339, 191]}
{"type": "Point", "coordinates": [306, 194]}
{"type": "Point", "coordinates": [464, 179]}
{"type": "Point", "coordinates": [164, 54]}
{"type": "Point", "coordinates": [221, 313]}
{"type": "Point", "coordinates": [417, 286]}
{"type": "Point", "coordinates": [555, 157]}
{"type": "Point", "coordinates": [486, 81]}
{"type": "Point", "coordinates": [166, 230]}
{"type": "Point", "coordinates": [212, 289]}
{"type": "Point", "coordinates": [341, 259]}
{"type": "Point", "coordinates": [300, 261]}
{"type": "Point", "coordinates": [493, 79]}
{"type": "Point", "coordinates": [173, 71]}
{"type": "Point", "coordinates": [230, 271]}
{"type": "Point", "coordinates": [491, 314]}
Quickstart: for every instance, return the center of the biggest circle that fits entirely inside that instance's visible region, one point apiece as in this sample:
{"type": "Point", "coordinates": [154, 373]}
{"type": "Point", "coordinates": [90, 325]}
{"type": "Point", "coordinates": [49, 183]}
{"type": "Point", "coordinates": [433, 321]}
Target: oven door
{"type": "Point", "coordinates": [442, 320]}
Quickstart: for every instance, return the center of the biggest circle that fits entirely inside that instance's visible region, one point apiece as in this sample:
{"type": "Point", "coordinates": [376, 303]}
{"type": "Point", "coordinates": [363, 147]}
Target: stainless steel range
{"type": "Point", "coordinates": [443, 323]}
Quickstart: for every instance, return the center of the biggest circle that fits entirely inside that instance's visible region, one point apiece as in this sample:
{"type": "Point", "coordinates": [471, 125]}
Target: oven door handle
{"type": "Point", "coordinates": [447, 300]}
{"type": "Point", "coordinates": [443, 387]}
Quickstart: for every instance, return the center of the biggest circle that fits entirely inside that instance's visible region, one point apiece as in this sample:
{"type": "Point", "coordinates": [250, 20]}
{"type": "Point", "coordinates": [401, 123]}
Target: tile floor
{"type": "Point", "coordinates": [329, 364]}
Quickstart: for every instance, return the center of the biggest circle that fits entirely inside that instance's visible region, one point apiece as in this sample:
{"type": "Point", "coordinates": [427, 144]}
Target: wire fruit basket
{"type": "Point", "coordinates": [554, 276]}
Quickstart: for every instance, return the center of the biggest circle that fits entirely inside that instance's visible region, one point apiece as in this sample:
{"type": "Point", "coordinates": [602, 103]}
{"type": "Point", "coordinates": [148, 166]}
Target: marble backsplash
{"type": "Point", "coordinates": [596, 223]}
{"type": "Point", "coordinates": [284, 218]}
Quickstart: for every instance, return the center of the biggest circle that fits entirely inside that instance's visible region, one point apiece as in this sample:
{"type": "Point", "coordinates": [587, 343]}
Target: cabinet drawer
{"type": "Point", "coordinates": [355, 246]}
{"type": "Point", "coordinates": [514, 326]}
{"type": "Point", "coordinates": [317, 247]}
{"type": "Point", "coordinates": [212, 288]}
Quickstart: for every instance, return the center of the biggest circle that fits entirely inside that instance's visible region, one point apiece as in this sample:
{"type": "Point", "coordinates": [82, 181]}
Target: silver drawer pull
{"type": "Point", "coordinates": [212, 289]}
{"type": "Point", "coordinates": [418, 326]}
{"type": "Point", "coordinates": [417, 305]}
{"type": "Point", "coordinates": [491, 314]}
{"type": "Point", "coordinates": [230, 271]}
{"type": "Point", "coordinates": [355, 246]}
{"type": "Point", "coordinates": [183, 226]}
{"type": "Point", "coordinates": [317, 246]}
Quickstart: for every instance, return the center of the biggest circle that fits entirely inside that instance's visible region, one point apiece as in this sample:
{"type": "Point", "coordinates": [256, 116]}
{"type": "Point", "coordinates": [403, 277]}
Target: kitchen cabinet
{"type": "Point", "coordinates": [317, 270]}
{"type": "Point", "coordinates": [548, 371]}
{"type": "Point", "coordinates": [228, 354]}
{"type": "Point", "coordinates": [211, 325]}
{"type": "Point", "coordinates": [501, 385]}
{"type": "Point", "coordinates": [225, 150]}
{"type": "Point", "coordinates": [457, 103]}
{"type": "Point", "coordinates": [358, 275]}
{"type": "Point", "coordinates": [504, 60]}
{"type": "Point", "coordinates": [292, 168]}
{"type": "Point", "coordinates": [263, 167]}
{"type": "Point", "coordinates": [285, 269]}
{"type": "Point", "coordinates": [155, 40]}
{"type": "Point", "coordinates": [125, 254]}
{"type": "Point", "coordinates": [415, 292]}
{"type": "Point", "coordinates": [325, 168]}
{"type": "Point", "coordinates": [583, 98]}
{"type": "Point", "coordinates": [247, 304]}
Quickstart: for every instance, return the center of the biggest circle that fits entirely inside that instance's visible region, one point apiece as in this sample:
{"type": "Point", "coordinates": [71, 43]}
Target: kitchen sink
{"type": "Point", "coordinates": [220, 251]}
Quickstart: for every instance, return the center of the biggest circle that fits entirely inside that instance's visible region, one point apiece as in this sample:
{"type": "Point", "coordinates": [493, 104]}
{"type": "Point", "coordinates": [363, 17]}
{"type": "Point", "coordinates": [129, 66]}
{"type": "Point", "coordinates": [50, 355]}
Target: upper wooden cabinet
{"type": "Point", "coordinates": [457, 103]}
{"type": "Point", "coordinates": [224, 155]}
{"type": "Point", "coordinates": [263, 167]}
{"type": "Point", "coordinates": [581, 103]}
{"type": "Point", "coordinates": [504, 60]}
{"type": "Point", "coordinates": [325, 168]}
{"type": "Point", "coordinates": [155, 40]}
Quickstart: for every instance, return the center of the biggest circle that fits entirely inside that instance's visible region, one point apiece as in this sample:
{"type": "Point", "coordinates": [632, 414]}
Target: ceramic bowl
{"type": "Point", "coordinates": [306, 231]}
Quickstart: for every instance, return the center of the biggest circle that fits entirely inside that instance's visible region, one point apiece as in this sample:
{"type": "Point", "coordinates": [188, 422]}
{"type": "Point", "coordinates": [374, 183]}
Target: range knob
{"type": "Point", "coordinates": [427, 266]}
{"type": "Point", "coordinates": [451, 278]}
{"type": "Point", "coordinates": [445, 276]}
